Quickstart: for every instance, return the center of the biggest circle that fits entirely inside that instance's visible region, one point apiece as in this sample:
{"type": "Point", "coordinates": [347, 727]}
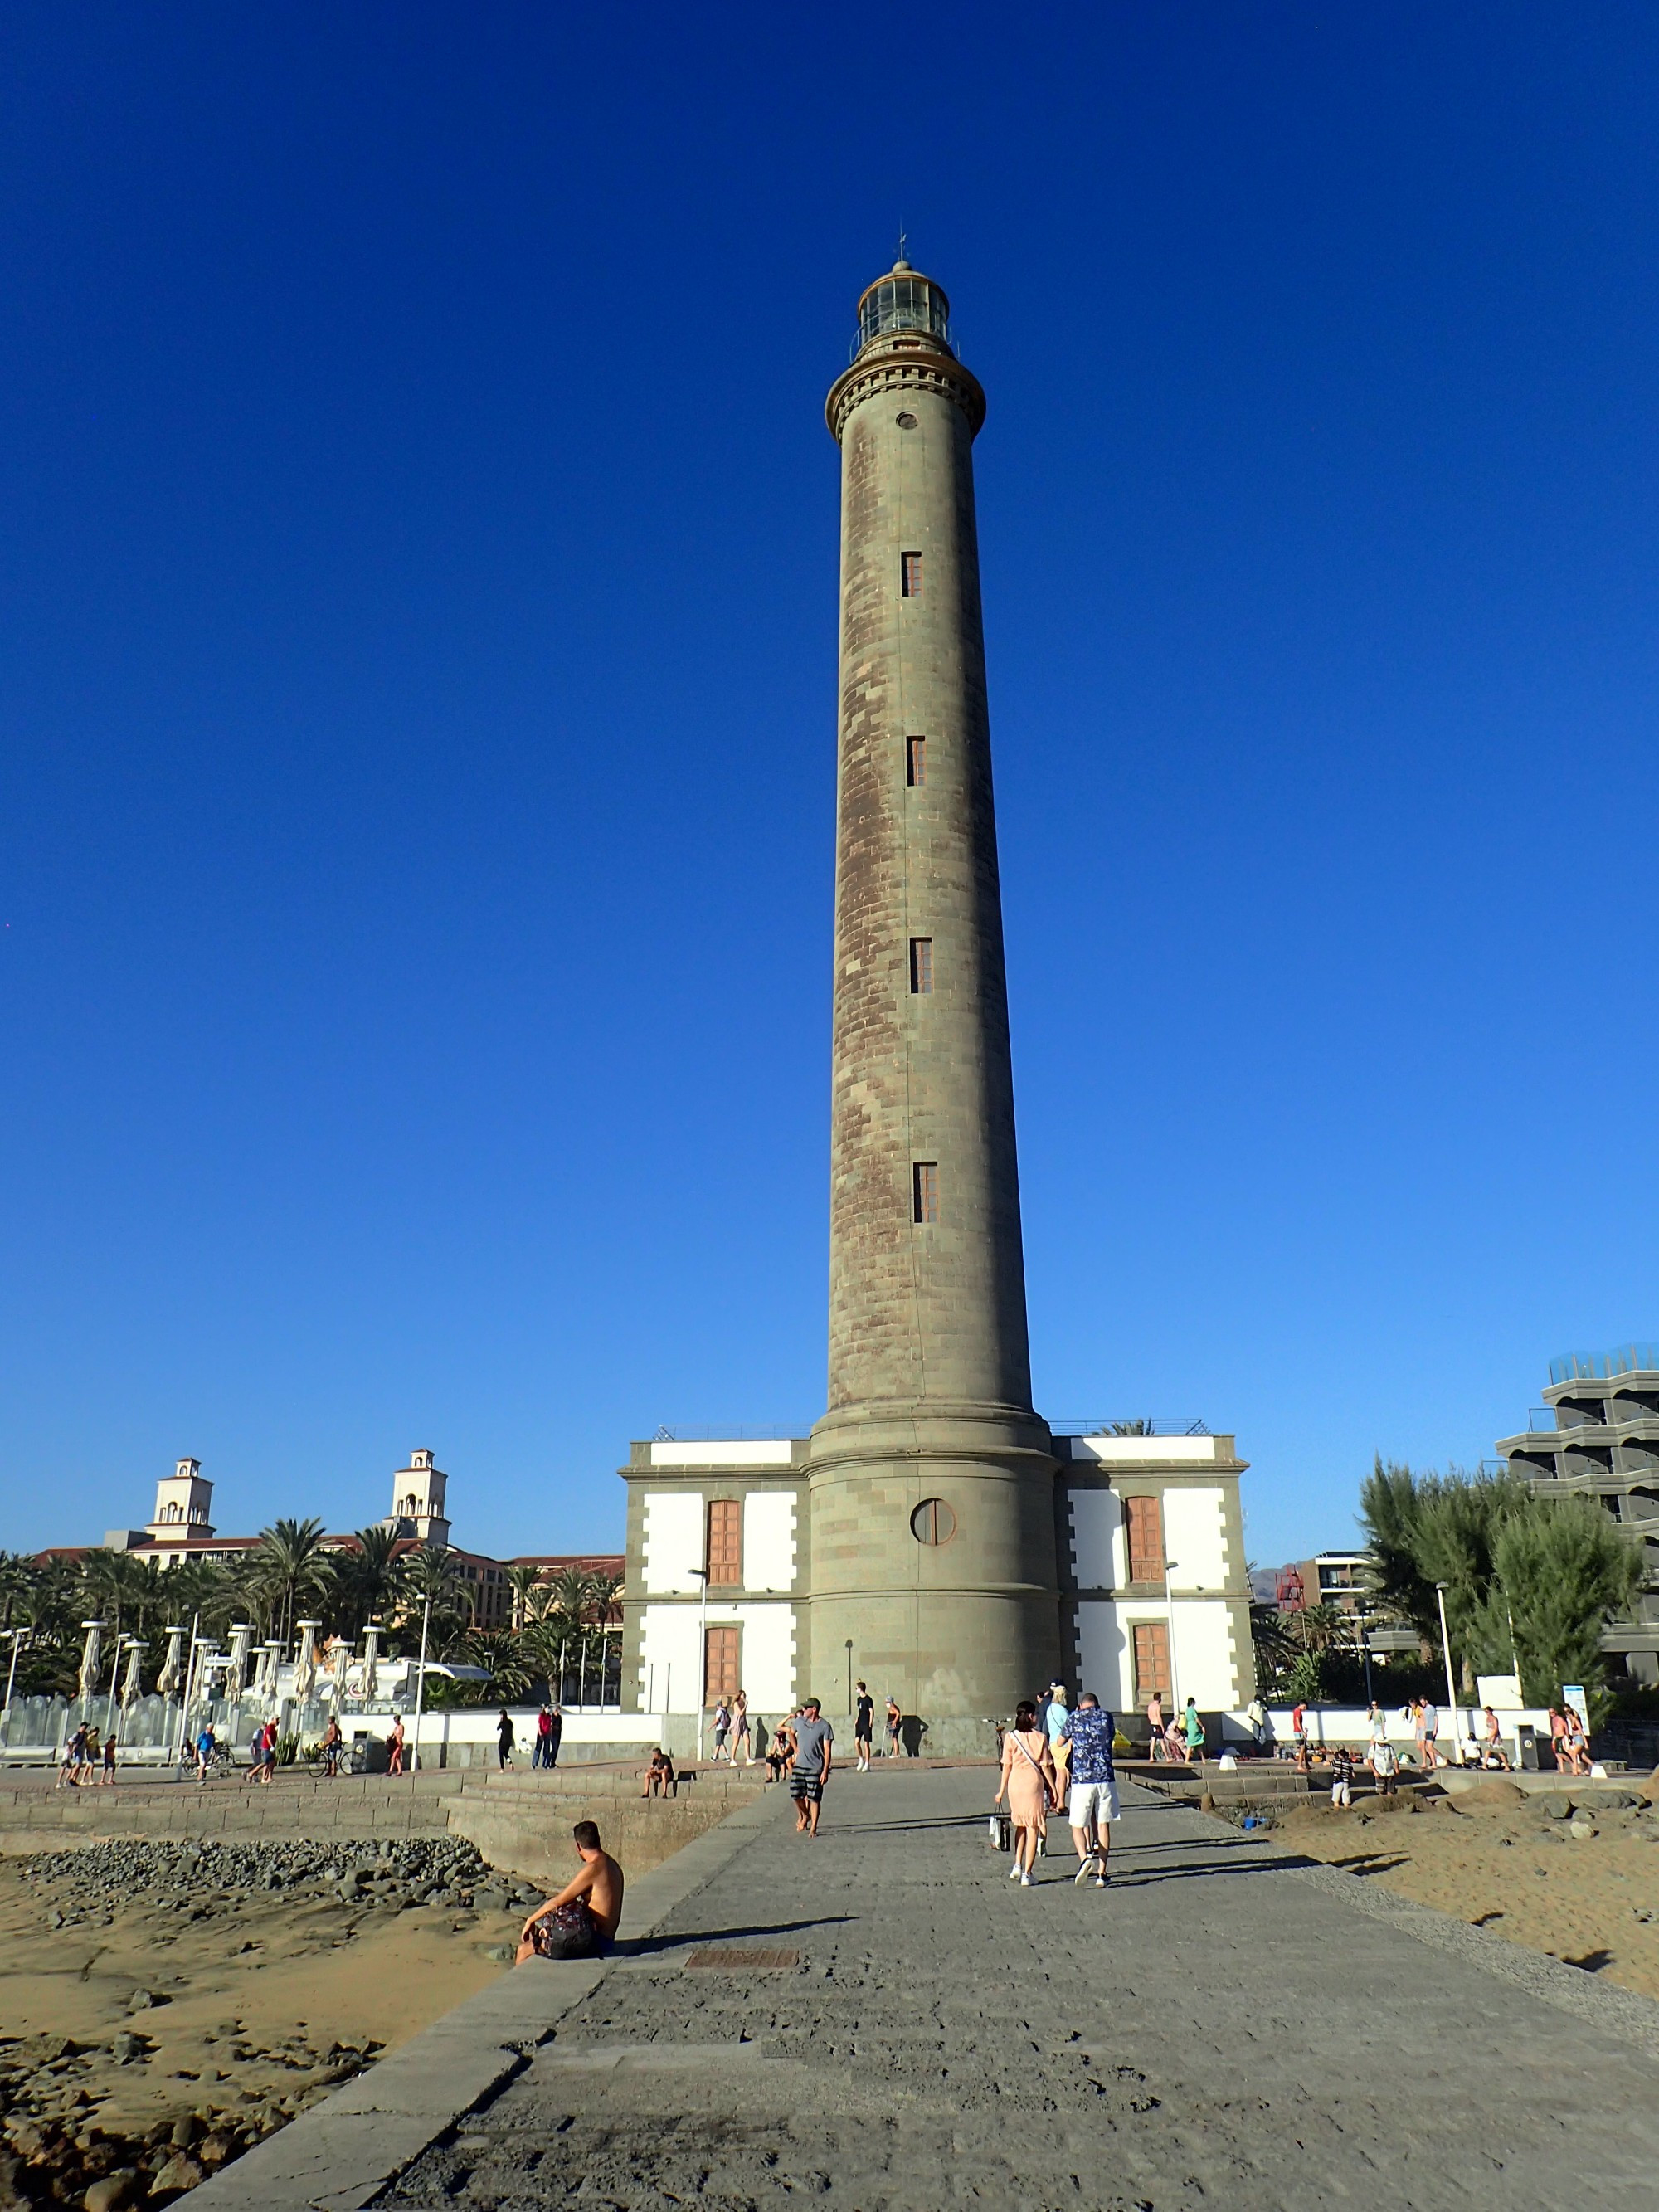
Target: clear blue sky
{"type": "Point", "coordinates": [417, 637]}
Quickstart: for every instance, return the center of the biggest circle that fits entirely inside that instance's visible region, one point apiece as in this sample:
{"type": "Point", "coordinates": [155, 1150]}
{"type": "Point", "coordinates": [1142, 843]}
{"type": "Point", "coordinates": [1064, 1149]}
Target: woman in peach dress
{"type": "Point", "coordinates": [1027, 1782]}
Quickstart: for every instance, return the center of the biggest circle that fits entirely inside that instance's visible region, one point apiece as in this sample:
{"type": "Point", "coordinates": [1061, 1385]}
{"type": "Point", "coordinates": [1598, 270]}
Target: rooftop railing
{"type": "Point", "coordinates": [1160, 1424]}
{"type": "Point", "coordinates": [768, 1433]}
{"type": "Point", "coordinates": [1601, 1366]}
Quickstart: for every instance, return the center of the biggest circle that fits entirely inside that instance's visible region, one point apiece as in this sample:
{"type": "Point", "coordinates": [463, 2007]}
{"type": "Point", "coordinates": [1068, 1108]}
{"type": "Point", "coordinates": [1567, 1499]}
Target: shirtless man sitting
{"type": "Point", "coordinates": [595, 1895]}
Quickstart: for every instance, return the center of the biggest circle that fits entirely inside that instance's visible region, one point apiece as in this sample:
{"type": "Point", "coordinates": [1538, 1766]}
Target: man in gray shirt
{"type": "Point", "coordinates": [813, 1737]}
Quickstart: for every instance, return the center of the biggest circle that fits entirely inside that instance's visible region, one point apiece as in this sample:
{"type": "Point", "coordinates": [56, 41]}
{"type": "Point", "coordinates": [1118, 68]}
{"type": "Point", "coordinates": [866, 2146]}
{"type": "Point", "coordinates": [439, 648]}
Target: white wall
{"type": "Point", "coordinates": [769, 1451]}
{"type": "Point", "coordinates": [673, 1540]}
{"type": "Point", "coordinates": [1202, 1651]}
{"type": "Point", "coordinates": [1193, 1538]}
{"type": "Point", "coordinates": [671, 1655]}
{"type": "Point", "coordinates": [1099, 1559]}
{"type": "Point", "coordinates": [671, 1658]}
{"type": "Point", "coordinates": [1142, 1451]}
{"type": "Point", "coordinates": [769, 1540]}
{"type": "Point", "coordinates": [1105, 1652]}
{"type": "Point", "coordinates": [768, 1663]}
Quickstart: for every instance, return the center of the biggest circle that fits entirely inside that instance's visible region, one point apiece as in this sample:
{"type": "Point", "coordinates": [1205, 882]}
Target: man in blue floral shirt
{"type": "Point", "coordinates": [1093, 1806]}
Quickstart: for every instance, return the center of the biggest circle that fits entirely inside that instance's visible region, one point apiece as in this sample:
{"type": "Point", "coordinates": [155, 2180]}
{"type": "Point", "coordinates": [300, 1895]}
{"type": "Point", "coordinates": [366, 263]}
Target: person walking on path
{"type": "Point", "coordinates": [1299, 1734]}
{"type": "Point", "coordinates": [538, 1751]}
{"type": "Point", "coordinates": [332, 1745]}
{"type": "Point", "coordinates": [743, 1742]}
{"type": "Point", "coordinates": [722, 1728]}
{"type": "Point", "coordinates": [504, 1733]}
{"type": "Point", "coordinates": [1492, 1751]}
{"type": "Point", "coordinates": [1428, 1730]}
{"type": "Point", "coordinates": [895, 1721]}
{"type": "Point", "coordinates": [109, 1759]}
{"type": "Point", "coordinates": [813, 1738]}
{"type": "Point", "coordinates": [1377, 1724]}
{"type": "Point", "coordinates": [864, 1728]}
{"type": "Point", "coordinates": [1093, 1796]}
{"type": "Point", "coordinates": [1558, 1738]}
{"type": "Point", "coordinates": [206, 1745]}
{"type": "Point", "coordinates": [1158, 1739]}
{"type": "Point", "coordinates": [1059, 1748]}
{"type": "Point", "coordinates": [582, 1920]}
{"type": "Point", "coordinates": [395, 1748]}
{"type": "Point", "coordinates": [1577, 1743]}
{"type": "Point", "coordinates": [1192, 1730]}
{"type": "Point", "coordinates": [1028, 1783]}
{"type": "Point", "coordinates": [555, 1737]}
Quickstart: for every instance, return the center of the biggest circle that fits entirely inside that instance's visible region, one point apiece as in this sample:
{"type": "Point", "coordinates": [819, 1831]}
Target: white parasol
{"type": "Point", "coordinates": [91, 1660]}
{"type": "Point", "coordinates": [167, 1683]}
{"type": "Point", "coordinates": [241, 1636]}
{"type": "Point", "coordinates": [371, 1659]}
{"type": "Point", "coordinates": [305, 1667]}
{"type": "Point", "coordinates": [133, 1688]}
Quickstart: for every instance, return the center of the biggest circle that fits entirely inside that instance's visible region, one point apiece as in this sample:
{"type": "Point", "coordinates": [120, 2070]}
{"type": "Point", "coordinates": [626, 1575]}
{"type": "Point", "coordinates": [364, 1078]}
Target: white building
{"type": "Point", "coordinates": [1150, 1564]}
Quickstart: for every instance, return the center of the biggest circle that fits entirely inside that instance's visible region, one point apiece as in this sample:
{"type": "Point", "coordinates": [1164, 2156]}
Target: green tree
{"type": "Point", "coordinates": [292, 1571]}
{"type": "Point", "coordinates": [1567, 1571]}
{"type": "Point", "coordinates": [430, 1573]}
{"type": "Point", "coordinates": [529, 1594]}
{"type": "Point", "coordinates": [368, 1581]}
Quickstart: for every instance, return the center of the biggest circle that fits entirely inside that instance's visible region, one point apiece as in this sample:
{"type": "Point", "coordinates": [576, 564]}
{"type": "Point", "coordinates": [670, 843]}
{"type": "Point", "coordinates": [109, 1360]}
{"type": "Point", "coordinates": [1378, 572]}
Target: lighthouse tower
{"type": "Point", "coordinates": [931, 1481]}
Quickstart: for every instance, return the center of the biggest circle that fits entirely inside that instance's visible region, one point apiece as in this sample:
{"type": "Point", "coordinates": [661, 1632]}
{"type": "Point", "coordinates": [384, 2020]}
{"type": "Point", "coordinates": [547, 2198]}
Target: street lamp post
{"type": "Point", "coordinates": [20, 1636]}
{"type": "Point", "coordinates": [419, 1689]}
{"type": "Point", "coordinates": [1451, 1687]}
{"type": "Point", "coordinates": [702, 1574]}
{"type": "Point", "coordinates": [849, 1673]}
{"type": "Point", "coordinates": [1170, 1567]}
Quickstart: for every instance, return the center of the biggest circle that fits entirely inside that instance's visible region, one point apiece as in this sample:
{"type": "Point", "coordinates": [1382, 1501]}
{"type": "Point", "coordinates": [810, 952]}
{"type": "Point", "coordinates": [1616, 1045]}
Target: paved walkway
{"type": "Point", "coordinates": [1218, 2029]}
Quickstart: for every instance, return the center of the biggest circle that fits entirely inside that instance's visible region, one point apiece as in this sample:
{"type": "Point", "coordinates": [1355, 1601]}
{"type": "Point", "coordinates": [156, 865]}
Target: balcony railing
{"type": "Point", "coordinates": [1601, 1366]}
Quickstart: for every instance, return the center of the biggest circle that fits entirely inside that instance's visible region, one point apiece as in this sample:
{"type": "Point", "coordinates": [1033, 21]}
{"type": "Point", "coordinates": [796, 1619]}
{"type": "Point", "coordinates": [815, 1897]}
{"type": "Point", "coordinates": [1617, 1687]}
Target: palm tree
{"type": "Point", "coordinates": [17, 1574]}
{"type": "Point", "coordinates": [369, 1580]}
{"type": "Point", "coordinates": [526, 1586]}
{"type": "Point", "coordinates": [429, 1575]}
{"type": "Point", "coordinates": [294, 1570]}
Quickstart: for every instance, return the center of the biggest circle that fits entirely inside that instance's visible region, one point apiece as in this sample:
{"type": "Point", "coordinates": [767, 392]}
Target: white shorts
{"type": "Point", "coordinates": [1091, 1800]}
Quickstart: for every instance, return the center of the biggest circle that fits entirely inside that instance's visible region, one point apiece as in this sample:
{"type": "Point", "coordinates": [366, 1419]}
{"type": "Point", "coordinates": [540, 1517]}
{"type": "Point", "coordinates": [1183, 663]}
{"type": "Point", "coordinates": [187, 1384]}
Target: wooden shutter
{"type": "Point", "coordinates": [724, 1543]}
{"type": "Point", "coordinates": [721, 1678]}
{"type": "Point", "coordinates": [1152, 1659]}
{"type": "Point", "coordinates": [1144, 1519]}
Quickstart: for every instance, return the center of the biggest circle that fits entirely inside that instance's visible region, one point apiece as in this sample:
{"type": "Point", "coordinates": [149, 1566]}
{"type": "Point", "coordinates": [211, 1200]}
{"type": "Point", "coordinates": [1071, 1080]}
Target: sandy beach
{"type": "Point", "coordinates": [1492, 1857]}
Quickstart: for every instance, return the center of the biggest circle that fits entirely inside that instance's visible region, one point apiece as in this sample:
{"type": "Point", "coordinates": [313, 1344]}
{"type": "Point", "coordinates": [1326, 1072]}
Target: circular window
{"type": "Point", "coordinates": [907, 421]}
{"type": "Point", "coordinates": [932, 1521]}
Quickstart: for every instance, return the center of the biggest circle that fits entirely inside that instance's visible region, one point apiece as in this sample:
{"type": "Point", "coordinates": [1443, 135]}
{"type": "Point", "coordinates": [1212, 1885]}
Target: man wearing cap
{"type": "Point", "coordinates": [813, 1737]}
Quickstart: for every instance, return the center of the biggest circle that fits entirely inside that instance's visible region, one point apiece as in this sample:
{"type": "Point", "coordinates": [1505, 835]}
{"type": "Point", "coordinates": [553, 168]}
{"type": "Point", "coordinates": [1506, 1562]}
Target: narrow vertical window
{"type": "Point", "coordinates": [910, 575]}
{"type": "Point", "coordinates": [925, 1189]}
{"type": "Point", "coordinates": [1152, 1659]}
{"type": "Point", "coordinates": [721, 1678]}
{"type": "Point", "coordinates": [1144, 1517]}
{"type": "Point", "coordinates": [922, 965]}
{"type": "Point", "coordinates": [915, 760]}
{"type": "Point", "coordinates": [724, 1543]}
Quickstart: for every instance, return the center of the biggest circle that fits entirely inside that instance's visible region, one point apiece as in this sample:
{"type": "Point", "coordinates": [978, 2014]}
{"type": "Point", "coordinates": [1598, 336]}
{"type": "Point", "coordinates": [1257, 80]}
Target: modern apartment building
{"type": "Point", "coordinates": [1597, 1433]}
